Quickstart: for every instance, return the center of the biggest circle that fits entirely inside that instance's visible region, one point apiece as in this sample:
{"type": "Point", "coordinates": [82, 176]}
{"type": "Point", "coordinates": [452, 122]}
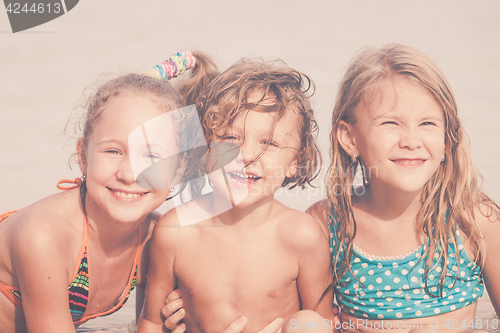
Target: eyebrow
{"type": "Point", "coordinates": [157, 146]}
{"type": "Point", "coordinates": [433, 118]}
{"type": "Point", "coordinates": [385, 116]}
{"type": "Point", "coordinates": [109, 141]}
{"type": "Point", "coordinates": [151, 145]}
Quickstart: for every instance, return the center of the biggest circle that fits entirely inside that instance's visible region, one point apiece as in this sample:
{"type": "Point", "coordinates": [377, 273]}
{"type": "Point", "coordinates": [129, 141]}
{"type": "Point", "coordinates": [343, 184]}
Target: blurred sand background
{"type": "Point", "coordinates": [44, 70]}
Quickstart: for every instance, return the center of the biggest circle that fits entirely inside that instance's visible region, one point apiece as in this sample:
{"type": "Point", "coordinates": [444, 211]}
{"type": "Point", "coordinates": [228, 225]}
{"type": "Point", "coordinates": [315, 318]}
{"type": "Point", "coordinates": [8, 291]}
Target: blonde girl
{"type": "Point", "coordinates": [414, 243]}
{"type": "Point", "coordinates": [92, 236]}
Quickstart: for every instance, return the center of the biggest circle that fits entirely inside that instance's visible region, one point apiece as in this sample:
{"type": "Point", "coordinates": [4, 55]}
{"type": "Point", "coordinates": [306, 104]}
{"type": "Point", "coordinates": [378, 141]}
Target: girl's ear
{"type": "Point", "coordinates": [80, 156]}
{"type": "Point", "coordinates": [345, 135]}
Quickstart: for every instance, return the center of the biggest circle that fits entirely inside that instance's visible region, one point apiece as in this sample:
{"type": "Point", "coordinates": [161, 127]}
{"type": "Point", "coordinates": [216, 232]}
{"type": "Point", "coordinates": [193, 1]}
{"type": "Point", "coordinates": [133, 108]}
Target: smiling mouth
{"type": "Point", "coordinates": [409, 162]}
{"type": "Point", "coordinates": [243, 179]}
{"type": "Point", "coordinates": [126, 195]}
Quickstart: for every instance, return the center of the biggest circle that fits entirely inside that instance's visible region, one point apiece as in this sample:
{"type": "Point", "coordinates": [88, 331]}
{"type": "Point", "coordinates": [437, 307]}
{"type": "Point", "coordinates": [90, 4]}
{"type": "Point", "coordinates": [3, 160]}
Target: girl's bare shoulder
{"type": "Point", "coordinates": [320, 211]}
{"type": "Point", "coordinates": [49, 228]}
{"type": "Point", "coordinates": [57, 214]}
{"type": "Point", "coordinates": [487, 220]}
{"type": "Point", "coordinates": [487, 216]}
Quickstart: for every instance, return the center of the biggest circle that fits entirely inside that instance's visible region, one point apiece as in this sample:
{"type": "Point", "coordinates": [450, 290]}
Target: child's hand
{"type": "Point", "coordinates": [239, 324]}
{"type": "Point", "coordinates": [337, 321]}
{"type": "Point", "coordinates": [336, 313]}
{"type": "Point", "coordinates": [173, 312]}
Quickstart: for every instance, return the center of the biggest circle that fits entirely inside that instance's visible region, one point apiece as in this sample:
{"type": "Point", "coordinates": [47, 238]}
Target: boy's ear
{"type": "Point", "coordinates": [81, 158]}
{"type": "Point", "coordinates": [345, 135]}
{"type": "Point", "coordinates": [292, 169]}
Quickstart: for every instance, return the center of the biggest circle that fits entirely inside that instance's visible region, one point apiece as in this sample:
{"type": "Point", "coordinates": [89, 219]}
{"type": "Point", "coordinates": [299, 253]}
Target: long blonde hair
{"type": "Point", "coordinates": [448, 198]}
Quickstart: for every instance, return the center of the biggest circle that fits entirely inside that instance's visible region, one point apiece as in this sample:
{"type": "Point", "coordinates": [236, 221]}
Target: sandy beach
{"type": "Point", "coordinates": [44, 71]}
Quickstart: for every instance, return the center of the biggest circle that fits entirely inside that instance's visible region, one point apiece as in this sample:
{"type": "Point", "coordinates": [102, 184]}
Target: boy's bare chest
{"type": "Point", "coordinates": [222, 279]}
{"type": "Point", "coordinates": [215, 271]}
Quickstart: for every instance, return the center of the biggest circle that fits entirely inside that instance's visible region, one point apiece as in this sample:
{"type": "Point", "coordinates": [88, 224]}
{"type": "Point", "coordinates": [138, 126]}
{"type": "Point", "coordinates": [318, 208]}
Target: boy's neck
{"type": "Point", "coordinates": [251, 216]}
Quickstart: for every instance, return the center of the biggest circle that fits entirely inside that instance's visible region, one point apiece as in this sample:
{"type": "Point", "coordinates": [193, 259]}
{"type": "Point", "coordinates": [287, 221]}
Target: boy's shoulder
{"type": "Point", "coordinates": [299, 229]}
{"type": "Point", "coordinates": [181, 222]}
{"type": "Point", "coordinates": [189, 213]}
{"type": "Point", "coordinates": [292, 216]}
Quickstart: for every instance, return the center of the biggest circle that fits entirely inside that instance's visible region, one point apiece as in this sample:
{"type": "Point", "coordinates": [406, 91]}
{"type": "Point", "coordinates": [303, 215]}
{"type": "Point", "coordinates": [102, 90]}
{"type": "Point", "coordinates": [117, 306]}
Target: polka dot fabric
{"type": "Point", "coordinates": [395, 288]}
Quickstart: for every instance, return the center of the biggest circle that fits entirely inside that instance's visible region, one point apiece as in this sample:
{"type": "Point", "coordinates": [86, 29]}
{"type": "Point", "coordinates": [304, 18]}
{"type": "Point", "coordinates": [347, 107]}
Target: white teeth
{"type": "Point", "coordinates": [237, 182]}
{"type": "Point", "coordinates": [410, 161]}
{"type": "Point", "coordinates": [239, 175]}
{"type": "Point", "coordinates": [244, 176]}
{"type": "Point", "coordinates": [126, 195]}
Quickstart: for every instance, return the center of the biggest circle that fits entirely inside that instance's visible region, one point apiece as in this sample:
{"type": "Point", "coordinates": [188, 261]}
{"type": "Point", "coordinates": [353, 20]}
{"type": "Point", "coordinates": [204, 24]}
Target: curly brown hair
{"type": "Point", "coordinates": [225, 97]}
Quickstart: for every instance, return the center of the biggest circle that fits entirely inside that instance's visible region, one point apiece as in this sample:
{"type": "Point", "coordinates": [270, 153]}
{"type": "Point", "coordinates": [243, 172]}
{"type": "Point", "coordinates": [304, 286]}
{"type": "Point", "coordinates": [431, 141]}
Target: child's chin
{"type": "Point", "coordinates": [127, 217]}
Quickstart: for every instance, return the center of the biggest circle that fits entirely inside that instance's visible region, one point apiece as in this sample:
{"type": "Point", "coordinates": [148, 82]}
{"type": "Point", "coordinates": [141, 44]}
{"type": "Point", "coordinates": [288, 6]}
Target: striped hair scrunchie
{"type": "Point", "coordinates": [173, 66]}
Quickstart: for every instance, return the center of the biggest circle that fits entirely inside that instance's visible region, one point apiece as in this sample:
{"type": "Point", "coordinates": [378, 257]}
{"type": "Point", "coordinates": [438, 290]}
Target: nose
{"type": "Point", "coordinates": [410, 140]}
{"type": "Point", "coordinates": [124, 172]}
{"type": "Point", "coordinates": [248, 152]}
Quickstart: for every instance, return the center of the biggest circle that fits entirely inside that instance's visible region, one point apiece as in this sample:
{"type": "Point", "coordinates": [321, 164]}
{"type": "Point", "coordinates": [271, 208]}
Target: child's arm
{"type": "Point", "coordinates": [42, 272]}
{"type": "Point", "coordinates": [314, 266]}
{"type": "Point", "coordinates": [489, 223]}
{"type": "Point", "coordinates": [320, 212]}
{"type": "Point", "coordinates": [140, 294]}
{"type": "Point", "coordinates": [143, 268]}
{"type": "Point", "coordinates": [161, 279]}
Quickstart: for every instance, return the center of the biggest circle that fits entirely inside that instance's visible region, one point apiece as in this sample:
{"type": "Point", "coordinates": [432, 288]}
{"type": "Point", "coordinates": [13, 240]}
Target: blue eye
{"type": "Point", "coordinates": [152, 156]}
{"type": "Point", "coordinates": [269, 143]}
{"type": "Point", "coordinates": [427, 123]}
{"type": "Point", "coordinates": [112, 151]}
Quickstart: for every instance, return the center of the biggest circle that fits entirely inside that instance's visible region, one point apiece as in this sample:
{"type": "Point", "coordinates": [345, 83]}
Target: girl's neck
{"type": "Point", "coordinates": [111, 236]}
{"type": "Point", "coordinates": [386, 203]}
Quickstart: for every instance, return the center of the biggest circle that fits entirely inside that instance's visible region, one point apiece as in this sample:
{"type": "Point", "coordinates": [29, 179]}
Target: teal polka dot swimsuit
{"type": "Point", "coordinates": [394, 288]}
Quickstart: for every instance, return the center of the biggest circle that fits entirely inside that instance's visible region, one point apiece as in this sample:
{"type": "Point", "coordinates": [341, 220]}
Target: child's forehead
{"type": "Point", "coordinates": [383, 97]}
{"type": "Point", "coordinates": [258, 101]}
{"type": "Point", "coordinates": [267, 124]}
{"type": "Point", "coordinates": [261, 97]}
{"type": "Point", "coordinates": [128, 109]}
